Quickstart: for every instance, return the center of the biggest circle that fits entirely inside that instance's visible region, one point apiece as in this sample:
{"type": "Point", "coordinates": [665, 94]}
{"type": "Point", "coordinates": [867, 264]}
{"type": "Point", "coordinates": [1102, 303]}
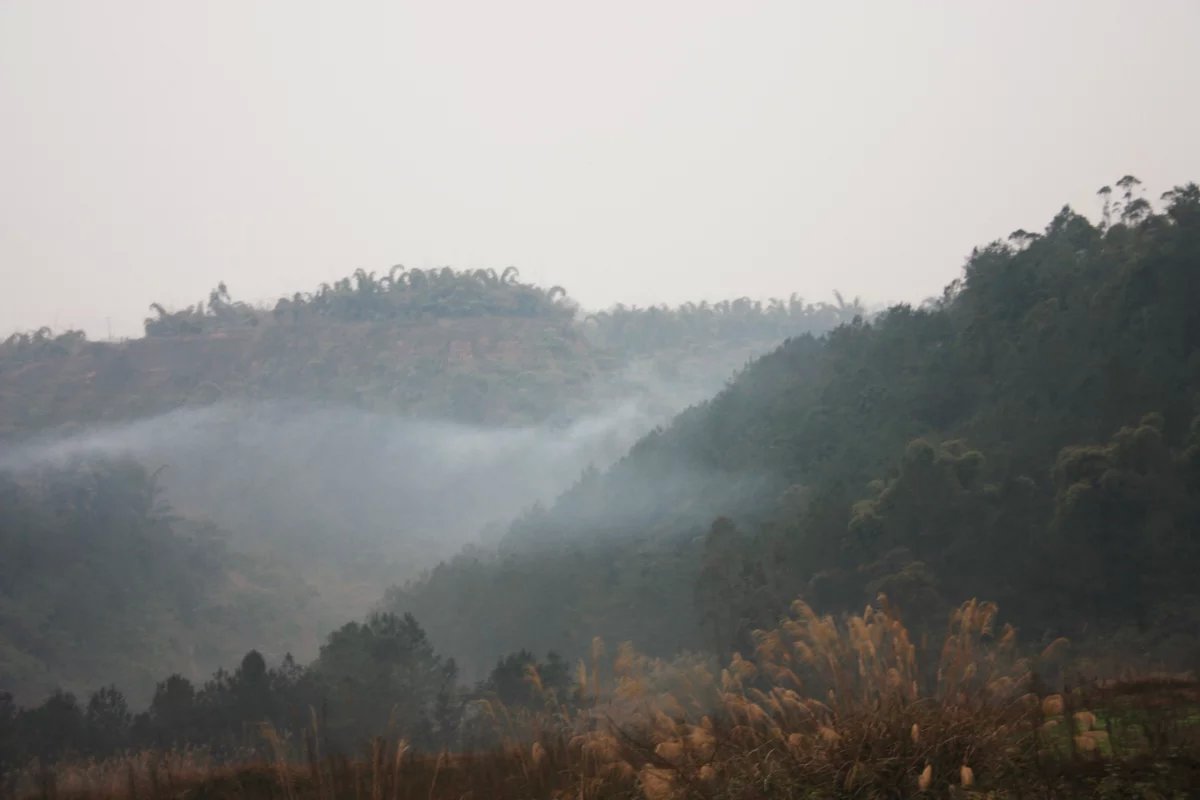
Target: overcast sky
{"type": "Point", "coordinates": [637, 152]}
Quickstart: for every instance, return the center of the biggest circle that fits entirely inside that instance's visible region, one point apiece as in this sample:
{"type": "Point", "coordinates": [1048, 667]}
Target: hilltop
{"type": "Point", "coordinates": [473, 347]}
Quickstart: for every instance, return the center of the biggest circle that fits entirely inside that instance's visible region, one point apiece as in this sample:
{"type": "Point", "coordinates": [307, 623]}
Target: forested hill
{"type": "Point", "coordinates": [250, 477]}
{"type": "Point", "coordinates": [1030, 437]}
{"type": "Point", "coordinates": [474, 347]}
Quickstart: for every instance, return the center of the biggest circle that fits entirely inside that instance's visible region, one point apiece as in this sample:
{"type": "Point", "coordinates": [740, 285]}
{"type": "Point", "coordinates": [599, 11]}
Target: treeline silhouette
{"type": "Point", "coordinates": [377, 676]}
{"type": "Point", "coordinates": [634, 330]}
{"type": "Point", "coordinates": [401, 294]}
{"type": "Point", "coordinates": [406, 295]}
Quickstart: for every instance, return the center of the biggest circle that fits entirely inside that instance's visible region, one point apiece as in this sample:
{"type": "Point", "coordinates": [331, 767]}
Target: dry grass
{"type": "Point", "coordinates": [823, 708]}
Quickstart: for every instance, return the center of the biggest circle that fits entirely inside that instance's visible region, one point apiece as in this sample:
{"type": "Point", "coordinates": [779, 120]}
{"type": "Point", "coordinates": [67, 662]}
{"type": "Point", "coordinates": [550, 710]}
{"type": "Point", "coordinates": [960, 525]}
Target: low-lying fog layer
{"type": "Point", "coordinates": [382, 492]}
{"type": "Point", "coordinates": [350, 502]}
{"type": "Point", "coordinates": [340, 481]}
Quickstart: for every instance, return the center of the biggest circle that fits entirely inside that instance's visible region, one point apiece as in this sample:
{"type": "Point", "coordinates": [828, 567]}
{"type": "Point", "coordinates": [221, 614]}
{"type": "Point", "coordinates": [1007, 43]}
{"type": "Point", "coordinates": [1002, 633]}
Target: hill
{"type": "Point", "coordinates": [1030, 437]}
{"type": "Point", "coordinates": [470, 347]}
{"type": "Point", "coordinates": [347, 438]}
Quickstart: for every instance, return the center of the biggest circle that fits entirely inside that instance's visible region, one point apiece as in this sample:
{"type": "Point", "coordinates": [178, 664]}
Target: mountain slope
{"type": "Point", "coordinates": [933, 453]}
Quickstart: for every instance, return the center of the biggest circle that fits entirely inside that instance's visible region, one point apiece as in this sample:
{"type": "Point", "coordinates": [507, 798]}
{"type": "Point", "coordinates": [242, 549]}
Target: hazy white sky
{"type": "Point", "coordinates": [636, 152]}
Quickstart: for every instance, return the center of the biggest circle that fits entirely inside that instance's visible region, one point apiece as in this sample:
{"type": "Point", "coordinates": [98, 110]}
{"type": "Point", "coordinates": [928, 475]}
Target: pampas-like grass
{"type": "Point", "coordinates": [822, 707]}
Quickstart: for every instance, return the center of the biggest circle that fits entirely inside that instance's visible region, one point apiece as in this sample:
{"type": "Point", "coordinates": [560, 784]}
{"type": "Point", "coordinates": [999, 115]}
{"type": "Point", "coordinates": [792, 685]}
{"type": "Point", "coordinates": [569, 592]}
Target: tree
{"type": "Point", "coordinates": [1105, 194]}
{"type": "Point", "coordinates": [252, 691]}
{"type": "Point", "coordinates": [107, 722]}
{"type": "Point", "coordinates": [172, 715]}
{"type": "Point", "coordinates": [383, 675]}
{"type": "Point", "coordinates": [520, 679]}
{"type": "Point", "coordinates": [52, 730]}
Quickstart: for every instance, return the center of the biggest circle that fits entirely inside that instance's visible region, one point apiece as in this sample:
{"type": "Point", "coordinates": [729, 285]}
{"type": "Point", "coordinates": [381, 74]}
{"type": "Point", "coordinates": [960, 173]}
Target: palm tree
{"type": "Point", "coordinates": [365, 281]}
{"type": "Point", "coordinates": [395, 277]}
{"type": "Point", "coordinates": [218, 298]}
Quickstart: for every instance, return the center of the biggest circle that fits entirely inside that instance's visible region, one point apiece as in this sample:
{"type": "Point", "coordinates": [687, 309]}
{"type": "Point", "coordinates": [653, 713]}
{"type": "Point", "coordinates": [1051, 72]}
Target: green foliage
{"type": "Point", "coordinates": [402, 294]}
{"type": "Point", "coordinates": [1128, 508]}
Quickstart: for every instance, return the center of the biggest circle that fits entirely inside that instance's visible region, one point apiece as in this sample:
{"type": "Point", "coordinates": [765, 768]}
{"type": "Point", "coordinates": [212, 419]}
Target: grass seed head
{"type": "Point", "coordinates": [925, 779]}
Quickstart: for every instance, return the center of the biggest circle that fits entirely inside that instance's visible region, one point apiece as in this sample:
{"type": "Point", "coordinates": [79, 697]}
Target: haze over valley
{"type": "Point", "coordinates": [625, 402]}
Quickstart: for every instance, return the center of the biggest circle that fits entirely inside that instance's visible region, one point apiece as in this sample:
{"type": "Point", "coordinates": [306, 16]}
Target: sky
{"type": "Point", "coordinates": [632, 152]}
